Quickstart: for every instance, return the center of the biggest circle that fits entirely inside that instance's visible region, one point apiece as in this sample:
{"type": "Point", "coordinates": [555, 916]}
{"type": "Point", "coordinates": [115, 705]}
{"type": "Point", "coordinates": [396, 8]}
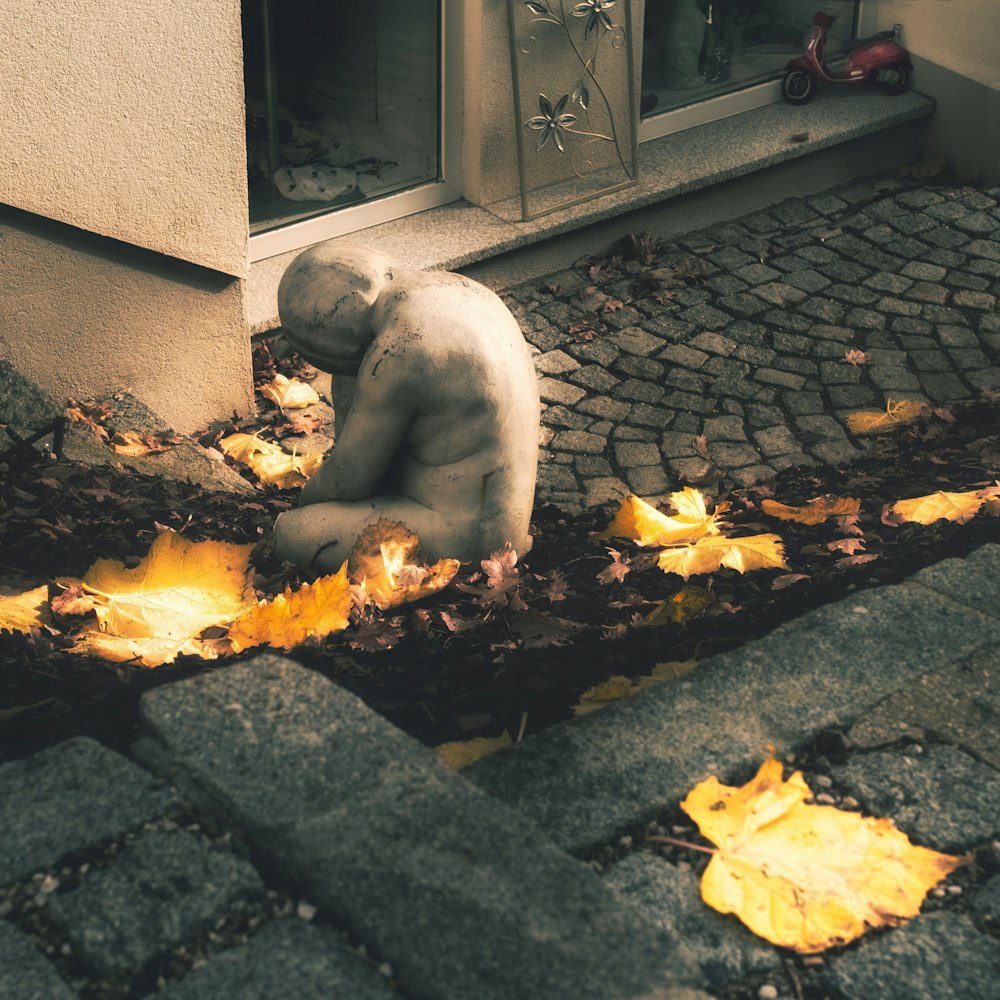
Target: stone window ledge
{"type": "Point", "coordinates": [459, 234]}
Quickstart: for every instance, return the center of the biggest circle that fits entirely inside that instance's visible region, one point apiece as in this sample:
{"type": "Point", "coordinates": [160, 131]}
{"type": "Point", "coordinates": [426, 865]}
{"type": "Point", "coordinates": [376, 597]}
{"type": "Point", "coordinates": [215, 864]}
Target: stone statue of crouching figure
{"type": "Point", "coordinates": [436, 409]}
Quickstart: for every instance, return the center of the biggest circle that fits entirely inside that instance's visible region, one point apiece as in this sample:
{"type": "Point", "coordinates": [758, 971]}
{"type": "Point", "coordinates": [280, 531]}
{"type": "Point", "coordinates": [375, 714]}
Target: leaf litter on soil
{"type": "Point", "coordinates": [528, 638]}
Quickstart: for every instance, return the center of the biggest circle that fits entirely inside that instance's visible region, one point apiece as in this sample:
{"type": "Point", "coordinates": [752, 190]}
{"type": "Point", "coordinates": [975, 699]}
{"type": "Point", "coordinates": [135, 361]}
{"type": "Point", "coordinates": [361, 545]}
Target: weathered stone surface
{"type": "Point", "coordinates": [723, 948]}
{"type": "Point", "coordinates": [289, 958]}
{"type": "Point", "coordinates": [585, 781]}
{"type": "Point", "coordinates": [630, 454]}
{"type": "Point", "coordinates": [462, 896]}
{"type": "Point", "coordinates": [935, 956]}
{"type": "Point", "coordinates": [167, 887]}
{"type": "Point", "coordinates": [553, 390]}
{"type": "Point", "coordinates": [647, 481]}
{"type": "Point", "coordinates": [590, 444]}
{"type": "Point", "coordinates": [25, 974]}
{"type": "Point", "coordinates": [67, 798]}
{"type": "Point", "coordinates": [942, 797]}
{"type": "Point", "coordinates": [986, 902]}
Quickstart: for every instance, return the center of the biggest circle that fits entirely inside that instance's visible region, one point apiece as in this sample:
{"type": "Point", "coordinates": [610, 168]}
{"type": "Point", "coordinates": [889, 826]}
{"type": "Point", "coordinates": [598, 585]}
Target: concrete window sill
{"type": "Point", "coordinates": [459, 234]}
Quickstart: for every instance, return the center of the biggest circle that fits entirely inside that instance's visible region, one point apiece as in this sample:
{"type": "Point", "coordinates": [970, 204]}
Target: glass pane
{"type": "Point", "coordinates": [696, 49]}
{"type": "Point", "coordinates": [342, 103]}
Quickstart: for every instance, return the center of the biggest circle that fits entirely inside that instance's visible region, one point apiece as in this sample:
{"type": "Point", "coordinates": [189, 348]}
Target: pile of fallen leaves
{"type": "Point", "coordinates": [604, 604]}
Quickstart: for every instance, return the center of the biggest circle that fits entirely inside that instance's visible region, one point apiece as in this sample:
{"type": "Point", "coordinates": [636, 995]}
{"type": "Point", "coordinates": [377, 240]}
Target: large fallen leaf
{"type": "Point", "coordinates": [289, 393]}
{"type": "Point", "coordinates": [462, 753]}
{"type": "Point", "coordinates": [21, 612]}
{"type": "Point", "coordinates": [711, 552]}
{"type": "Point", "coordinates": [149, 651]}
{"type": "Point", "coordinates": [314, 610]}
{"type": "Point", "coordinates": [806, 877]}
{"type": "Point", "coordinates": [814, 512]}
{"type": "Point", "coordinates": [644, 524]}
{"type": "Point", "coordinates": [958, 507]}
{"type": "Point", "coordinates": [902, 411]}
{"type": "Point", "coordinates": [385, 558]}
{"type": "Point", "coordinates": [243, 447]}
{"type": "Point", "coordinates": [176, 592]}
{"type": "Point", "coordinates": [284, 470]}
{"type": "Point", "coordinates": [617, 687]}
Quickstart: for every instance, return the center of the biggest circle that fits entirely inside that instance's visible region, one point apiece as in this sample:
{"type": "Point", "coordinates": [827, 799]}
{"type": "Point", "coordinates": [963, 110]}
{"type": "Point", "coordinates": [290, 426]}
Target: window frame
{"type": "Point", "coordinates": [432, 194]}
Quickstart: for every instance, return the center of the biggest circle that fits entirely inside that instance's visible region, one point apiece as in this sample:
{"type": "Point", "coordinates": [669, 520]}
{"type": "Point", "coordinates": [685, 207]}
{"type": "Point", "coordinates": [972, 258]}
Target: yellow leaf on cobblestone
{"type": "Point", "coordinates": [314, 610]}
{"type": "Point", "coordinates": [386, 560]}
{"type": "Point", "coordinates": [462, 753]}
{"type": "Point", "coordinates": [958, 507]}
{"type": "Point", "coordinates": [806, 877]}
{"type": "Point", "coordinates": [23, 611]}
{"type": "Point", "coordinates": [618, 687]}
{"type": "Point", "coordinates": [712, 552]}
{"type": "Point", "coordinates": [814, 512]}
{"type": "Point", "coordinates": [289, 393]}
{"type": "Point", "coordinates": [161, 606]}
{"type": "Point", "coordinates": [900, 411]}
{"type": "Point", "coordinates": [645, 525]}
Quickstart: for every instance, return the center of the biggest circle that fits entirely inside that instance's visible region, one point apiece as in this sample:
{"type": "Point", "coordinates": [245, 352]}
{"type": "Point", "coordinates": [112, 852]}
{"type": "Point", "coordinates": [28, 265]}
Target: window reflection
{"type": "Point", "coordinates": [342, 103]}
{"type": "Point", "coordinates": [696, 49]}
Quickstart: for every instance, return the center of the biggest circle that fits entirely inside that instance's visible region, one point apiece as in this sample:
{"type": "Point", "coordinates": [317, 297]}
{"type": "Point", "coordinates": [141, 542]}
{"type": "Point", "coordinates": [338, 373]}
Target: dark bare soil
{"type": "Point", "coordinates": [461, 665]}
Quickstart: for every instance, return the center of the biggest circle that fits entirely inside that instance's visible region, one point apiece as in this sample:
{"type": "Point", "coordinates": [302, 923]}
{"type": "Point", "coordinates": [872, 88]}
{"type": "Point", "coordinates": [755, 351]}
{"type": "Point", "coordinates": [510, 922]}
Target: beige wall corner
{"type": "Point", "coordinates": [127, 119]}
{"type": "Point", "coordinates": [960, 35]}
{"type": "Point", "coordinates": [85, 316]}
{"type": "Point", "coordinates": [965, 127]}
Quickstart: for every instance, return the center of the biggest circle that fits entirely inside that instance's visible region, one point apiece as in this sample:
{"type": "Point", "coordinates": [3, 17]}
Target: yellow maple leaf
{"type": "Point", "coordinates": [814, 512]}
{"type": "Point", "coordinates": [20, 612]}
{"type": "Point", "coordinates": [149, 651]}
{"type": "Point", "coordinates": [243, 447]}
{"type": "Point", "coordinates": [645, 525]}
{"type": "Point", "coordinates": [315, 609]}
{"type": "Point", "coordinates": [618, 687]}
{"type": "Point", "coordinates": [162, 605]}
{"type": "Point", "coordinates": [385, 558]}
{"type": "Point", "coordinates": [958, 507]}
{"type": "Point", "coordinates": [708, 554]}
{"type": "Point", "coordinates": [900, 411]}
{"type": "Point", "coordinates": [462, 753]}
{"type": "Point", "coordinates": [806, 877]}
{"type": "Point", "coordinates": [289, 393]}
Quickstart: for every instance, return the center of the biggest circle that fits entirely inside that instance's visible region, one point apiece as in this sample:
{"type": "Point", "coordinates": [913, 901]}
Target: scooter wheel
{"type": "Point", "coordinates": [798, 86]}
{"type": "Point", "coordinates": [893, 79]}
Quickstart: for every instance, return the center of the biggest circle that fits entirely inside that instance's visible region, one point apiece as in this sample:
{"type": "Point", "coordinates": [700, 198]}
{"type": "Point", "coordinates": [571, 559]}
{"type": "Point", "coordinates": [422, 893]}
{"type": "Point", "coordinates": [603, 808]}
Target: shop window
{"type": "Point", "coordinates": [694, 50]}
{"type": "Point", "coordinates": [342, 104]}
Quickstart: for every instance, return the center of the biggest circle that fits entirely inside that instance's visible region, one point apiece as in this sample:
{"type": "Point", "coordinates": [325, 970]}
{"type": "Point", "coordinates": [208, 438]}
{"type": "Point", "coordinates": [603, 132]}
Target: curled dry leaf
{"type": "Point", "coordinates": [787, 579]}
{"type": "Point", "coordinates": [900, 411]}
{"type": "Point", "coordinates": [315, 610]}
{"type": "Point", "coordinates": [855, 357]}
{"type": "Point", "coordinates": [689, 602]}
{"type": "Point", "coordinates": [386, 559]}
{"type": "Point", "coordinates": [289, 393]}
{"type": "Point", "coordinates": [269, 462]}
{"type": "Point", "coordinates": [617, 569]}
{"type": "Point", "coordinates": [73, 600]}
{"type": "Point", "coordinates": [814, 512]}
{"type": "Point", "coordinates": [25, 610]}
{"type": "Point", "coordinates": [957, 507]}
{"type": "Point", "coordinates": [712, 552]}
{"type": "Point", "coordinates": [806, 877]}
{"type": "Point", "coordinates": [132, 444]}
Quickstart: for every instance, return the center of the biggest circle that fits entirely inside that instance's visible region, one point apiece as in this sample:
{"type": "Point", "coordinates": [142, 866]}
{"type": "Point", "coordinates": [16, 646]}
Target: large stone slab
{"type": "Point", "coordinates": [959, 704]}
{"type": "Point", "coordinates": [167, 887]}
{"type": "Point", "coordinates": [461, 895]}
{"type": "Point", "coordinates": [289, 958]}
{"type": "Point", "coordinates": [973, 580]}
{"type": "Point", "coordinates": [723, 948]}
{"type": "Point", "coordinates": [940, 956]}
{"type": "Point", "coordinates": [584, 781]}
{"type": "Point", "coordinates": [941, 798]}
{"type": "Point", "coordinates": [25, 973]}
{"type": "Point", "coordinates": [67, 798]}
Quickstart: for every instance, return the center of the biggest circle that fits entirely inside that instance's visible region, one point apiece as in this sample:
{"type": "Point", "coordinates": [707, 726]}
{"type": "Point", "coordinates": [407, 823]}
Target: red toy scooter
{"type": "Point", "coordinates": [878, 58]}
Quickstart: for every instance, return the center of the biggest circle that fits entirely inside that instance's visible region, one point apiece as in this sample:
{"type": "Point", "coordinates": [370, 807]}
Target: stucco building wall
{"type": "Point", "coordinates": [86, 316]}
{"type": "Point", "coordinates": [127, 119]}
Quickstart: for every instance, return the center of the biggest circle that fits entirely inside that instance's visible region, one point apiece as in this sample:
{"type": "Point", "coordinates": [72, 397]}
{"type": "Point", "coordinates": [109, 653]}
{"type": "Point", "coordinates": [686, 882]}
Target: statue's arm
{"type": "Point", "coordinates": [368, 441]}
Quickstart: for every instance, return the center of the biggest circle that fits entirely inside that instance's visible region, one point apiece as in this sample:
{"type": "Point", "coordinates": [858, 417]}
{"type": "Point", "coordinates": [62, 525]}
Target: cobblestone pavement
{"type": "Point", "coordinates": [274, 837]}
{"type": "Point", "coordinates": [739, 333]}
